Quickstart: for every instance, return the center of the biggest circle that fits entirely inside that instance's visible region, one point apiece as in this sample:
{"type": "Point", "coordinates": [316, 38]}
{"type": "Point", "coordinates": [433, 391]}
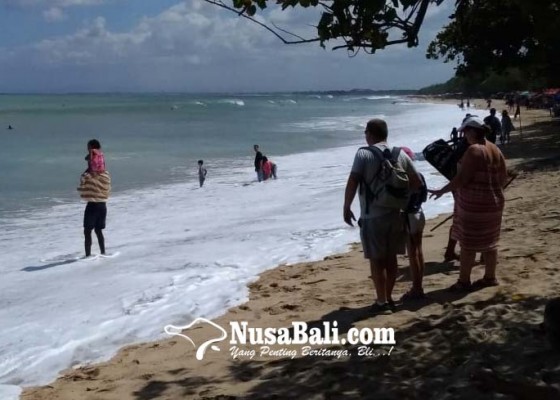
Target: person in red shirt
{"type": "Point", "coordinates": [266, 168]}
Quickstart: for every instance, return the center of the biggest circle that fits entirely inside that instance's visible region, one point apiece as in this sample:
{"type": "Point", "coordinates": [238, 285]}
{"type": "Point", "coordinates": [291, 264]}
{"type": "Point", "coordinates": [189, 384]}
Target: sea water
{"type": "Point", "coordinates": [184, 251]}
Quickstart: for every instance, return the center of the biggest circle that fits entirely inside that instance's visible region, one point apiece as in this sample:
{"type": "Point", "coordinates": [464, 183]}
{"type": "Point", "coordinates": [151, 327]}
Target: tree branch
{"type": "Point", "coordinates": [370, 46]}
{"type": "Point", "coordinates": [354, 39]}
{"type": "Point", "coordinates": [420, 17]}
{"type": "Point", "coordinates": [219, 3]}
{"type": "Point", "coordinates": [289, 33]}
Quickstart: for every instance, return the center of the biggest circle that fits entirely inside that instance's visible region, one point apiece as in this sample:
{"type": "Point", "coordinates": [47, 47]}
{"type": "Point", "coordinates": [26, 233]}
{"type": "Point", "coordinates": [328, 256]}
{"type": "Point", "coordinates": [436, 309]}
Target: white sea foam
{"type": "Point", "coordinates": [349, 123]}
{"type": "Point", "coordinates": [185, 252]}
{"type": "Point", "coordinates": [235, 102]}
{"type": "Point", "coordinates": [362, 98]}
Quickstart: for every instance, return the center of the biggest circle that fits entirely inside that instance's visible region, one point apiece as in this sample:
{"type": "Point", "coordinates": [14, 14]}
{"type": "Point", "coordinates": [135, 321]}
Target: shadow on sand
{"type": "Point", "coordinates": [49, 265]}
{"type": "Point", "coordinates": [434, 358]}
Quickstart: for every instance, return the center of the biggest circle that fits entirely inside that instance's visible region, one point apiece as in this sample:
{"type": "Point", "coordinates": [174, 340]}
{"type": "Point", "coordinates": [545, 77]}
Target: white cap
{"type": "Point", "coordinates": [472, 122]}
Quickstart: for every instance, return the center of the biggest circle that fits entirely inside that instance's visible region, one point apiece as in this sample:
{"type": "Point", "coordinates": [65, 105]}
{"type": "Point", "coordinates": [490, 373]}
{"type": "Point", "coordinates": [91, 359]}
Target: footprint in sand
{"type": "Point", "coordinates": [275, 310]}
{"type": "Point", "coordinates": [314, 282]}
{"type": "Point", "coordinates": [290, 289]}
{"type": "Point", "coordinates": [291, 307]}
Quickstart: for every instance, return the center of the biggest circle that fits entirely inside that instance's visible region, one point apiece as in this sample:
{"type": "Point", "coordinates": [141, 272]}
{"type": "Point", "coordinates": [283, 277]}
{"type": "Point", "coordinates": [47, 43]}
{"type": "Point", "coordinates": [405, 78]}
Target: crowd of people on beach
{"type": "Point", "coordinates": [95, 188]}
{"type": "Point", "coordinates": [499, 128]}
{"type": "Point", "coordinates": [391, 193]}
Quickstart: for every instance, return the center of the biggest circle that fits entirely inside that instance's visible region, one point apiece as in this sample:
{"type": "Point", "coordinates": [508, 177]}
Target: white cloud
{"type": "Point", "coordinates": [49, 3]}
{"type": "Point", "coordinates": [196, 46]}
{"type": "Point", "coordinates": [186, 32]}
{"type": "Point", "coordinates": [54, 14]}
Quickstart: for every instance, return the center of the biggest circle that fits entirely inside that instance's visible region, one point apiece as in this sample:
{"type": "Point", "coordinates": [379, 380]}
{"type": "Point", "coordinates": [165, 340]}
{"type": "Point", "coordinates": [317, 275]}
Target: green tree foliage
{"type": "Point", "coordinates": [361, 24]}
{"type": "Point", "coordinates": [493, 35]}
{"type": "Point", "coordinates": [484, 37]}
{"type": "Point", "coordinates": [483, 85]}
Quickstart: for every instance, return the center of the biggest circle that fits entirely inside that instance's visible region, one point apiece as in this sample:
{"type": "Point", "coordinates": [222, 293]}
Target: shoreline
{"type": "Point", "coordinates": [311, 288]}
{"type": "Point", "coordinates": [132, 317]}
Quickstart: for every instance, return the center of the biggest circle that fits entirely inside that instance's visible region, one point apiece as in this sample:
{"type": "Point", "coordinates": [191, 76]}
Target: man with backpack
{"type": "Point", "coordinates": [385, 177]}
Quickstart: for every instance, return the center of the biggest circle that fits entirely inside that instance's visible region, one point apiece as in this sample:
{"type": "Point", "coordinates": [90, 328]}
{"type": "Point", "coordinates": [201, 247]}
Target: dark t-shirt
{"type": "Point", "coordinates": [495, 125]}
{"type": "Point", "coordinates": [258, 160]}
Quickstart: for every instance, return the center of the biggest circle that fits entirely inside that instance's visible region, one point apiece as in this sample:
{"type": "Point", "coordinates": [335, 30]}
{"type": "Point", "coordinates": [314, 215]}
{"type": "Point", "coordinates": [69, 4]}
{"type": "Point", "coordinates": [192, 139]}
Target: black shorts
{"type": "Point", "coordinates": [95, 216]}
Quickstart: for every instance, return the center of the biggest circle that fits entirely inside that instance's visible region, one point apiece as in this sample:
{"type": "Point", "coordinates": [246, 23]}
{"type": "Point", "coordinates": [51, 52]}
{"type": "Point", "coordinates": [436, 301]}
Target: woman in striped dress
{"type": "Point", "coordinates": [479, 197]}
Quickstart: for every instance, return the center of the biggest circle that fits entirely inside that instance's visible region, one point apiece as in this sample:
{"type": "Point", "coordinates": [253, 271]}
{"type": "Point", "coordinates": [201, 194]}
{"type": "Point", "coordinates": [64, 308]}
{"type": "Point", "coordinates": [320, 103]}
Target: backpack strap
{"type": "Point", "coordinates": [395, 152]}
{"type": "Point", "coordinates": [375, 150]}
{"type": "Point", "coordinates": [378, 153]}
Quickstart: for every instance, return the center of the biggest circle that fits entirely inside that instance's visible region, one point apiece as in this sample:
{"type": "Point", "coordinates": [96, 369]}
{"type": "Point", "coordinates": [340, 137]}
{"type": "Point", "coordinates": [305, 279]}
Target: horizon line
{"type": "Point", "coordinates": [356, 90]}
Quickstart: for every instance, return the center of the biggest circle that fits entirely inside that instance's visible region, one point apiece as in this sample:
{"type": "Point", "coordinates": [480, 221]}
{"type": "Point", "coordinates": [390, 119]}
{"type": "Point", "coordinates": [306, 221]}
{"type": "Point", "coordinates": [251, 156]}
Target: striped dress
{"type": "Point", "coordinates": [479, 201]}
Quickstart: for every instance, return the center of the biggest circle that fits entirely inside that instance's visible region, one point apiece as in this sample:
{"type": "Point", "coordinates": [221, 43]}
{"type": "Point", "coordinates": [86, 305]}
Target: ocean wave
{"type": "Point", "coordinates": [289, 101]}
{"type": "Point", "coordinates": [368, 98]}
{"type": "Point", "coordinates": [349, 123]}
{"type": "Point", "coordinates": [234, 102]}
{"type": "Point", "coordinates": [200, 103]}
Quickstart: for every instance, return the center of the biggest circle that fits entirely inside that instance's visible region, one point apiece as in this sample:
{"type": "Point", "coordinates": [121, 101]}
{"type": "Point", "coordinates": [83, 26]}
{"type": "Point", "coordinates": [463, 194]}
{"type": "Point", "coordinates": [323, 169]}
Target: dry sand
{"type": "Point", "coordinates": [440, 342]}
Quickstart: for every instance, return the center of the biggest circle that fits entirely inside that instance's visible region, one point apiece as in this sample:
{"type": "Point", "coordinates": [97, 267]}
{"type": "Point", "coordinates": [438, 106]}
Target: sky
{"type": "Point", "coordinates": [61, 46]}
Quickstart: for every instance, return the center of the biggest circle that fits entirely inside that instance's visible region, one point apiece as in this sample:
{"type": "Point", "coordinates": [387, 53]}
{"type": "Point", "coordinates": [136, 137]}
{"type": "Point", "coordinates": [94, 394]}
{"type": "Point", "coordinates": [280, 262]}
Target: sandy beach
{"type": "Point", "coordinates": [441, 342]}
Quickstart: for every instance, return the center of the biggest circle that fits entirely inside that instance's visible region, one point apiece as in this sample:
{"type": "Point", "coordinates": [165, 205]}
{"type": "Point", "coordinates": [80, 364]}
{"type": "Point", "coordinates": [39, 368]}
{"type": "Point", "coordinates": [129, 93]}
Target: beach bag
{"type": "Point", "coordinates": [390, 186]}
{"type": "Point", "coordinates": [442, 157]}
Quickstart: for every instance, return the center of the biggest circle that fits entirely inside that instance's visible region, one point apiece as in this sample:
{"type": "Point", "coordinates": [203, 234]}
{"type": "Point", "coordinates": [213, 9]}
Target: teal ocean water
{"type": "Point", "coordinates": [154, 139]}
{"type": "Point", "coordinates": [184, 252]}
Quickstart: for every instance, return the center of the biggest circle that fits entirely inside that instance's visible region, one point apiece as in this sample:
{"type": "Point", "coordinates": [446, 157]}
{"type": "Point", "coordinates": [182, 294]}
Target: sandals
{"type": "Point", "coordinates": [460, 287]}
{"type": "Point", "coordinates": [479, 284]}
{"type": "Point", "coordinates": [410, 295]}
{"type": "Point", "coordinates": [381, 309]}
{"type": "Point", "coordinates": [484, 283]}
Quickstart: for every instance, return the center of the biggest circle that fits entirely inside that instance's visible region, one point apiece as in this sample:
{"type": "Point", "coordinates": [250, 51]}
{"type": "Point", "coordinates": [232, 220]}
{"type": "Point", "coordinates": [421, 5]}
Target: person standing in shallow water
{"type": "Point", "coordinates": [95, 188]}
{"type": "Point", "coordinates": [258, 163]}
{"type": "Point", "coordinates": [201, 173]}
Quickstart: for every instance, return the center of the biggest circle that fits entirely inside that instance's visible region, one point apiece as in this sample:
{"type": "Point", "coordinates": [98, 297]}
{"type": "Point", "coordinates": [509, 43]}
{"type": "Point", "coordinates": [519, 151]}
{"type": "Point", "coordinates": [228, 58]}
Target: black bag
{"type": "Point", "coordinates": [444, 157]}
